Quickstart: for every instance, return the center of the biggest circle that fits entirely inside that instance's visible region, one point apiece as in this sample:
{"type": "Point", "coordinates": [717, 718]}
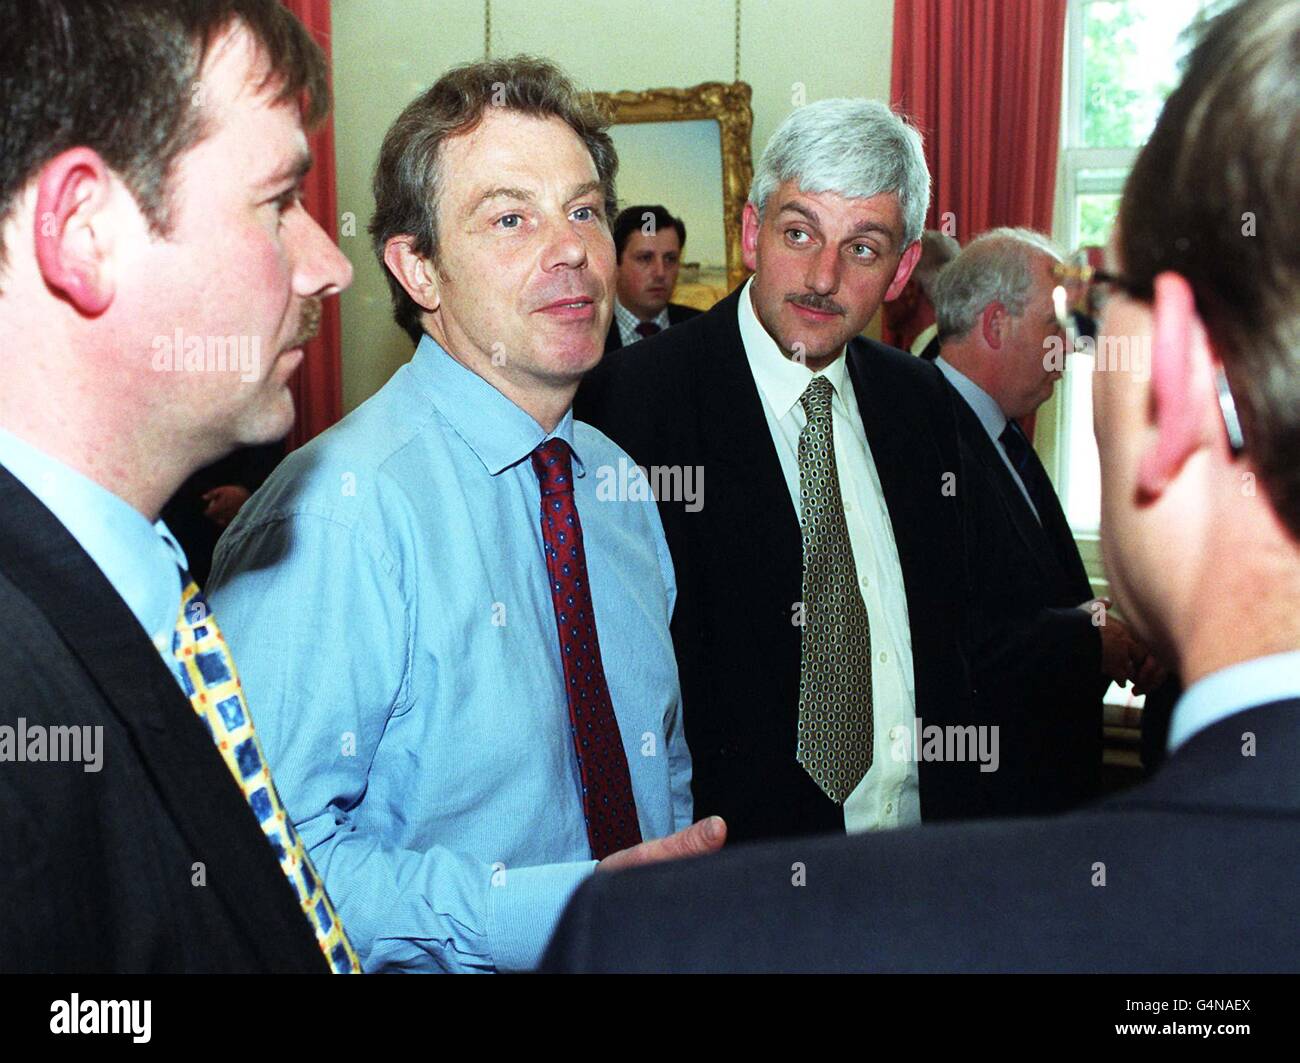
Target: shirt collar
{"type": "Point", "coordinates": [500, 434]}
{"type": "Point", "coordinates": [781, 380]}
{"type": "Point", "coordinates": [141, 560]}
{"type": "Point", "coordinates": [628, 321]}
{"type": "Point", "coordinates": [979, 400]}
{"type": "Point", "coordinates": [1229, 690]}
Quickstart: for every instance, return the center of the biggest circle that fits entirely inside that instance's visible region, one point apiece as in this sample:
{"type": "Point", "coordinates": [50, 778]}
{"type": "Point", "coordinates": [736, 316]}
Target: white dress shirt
{"type": "Point", "coordinates": [888, 794]}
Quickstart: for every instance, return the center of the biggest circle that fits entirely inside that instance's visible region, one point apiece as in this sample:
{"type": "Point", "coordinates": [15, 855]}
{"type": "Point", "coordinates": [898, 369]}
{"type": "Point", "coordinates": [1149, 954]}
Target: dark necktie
{"type": "Point", "coordinates": [1028, 467]}
{"type": "Point", "coordinates": [607, 801]}
{"type": "Point", "coordinates": [647, 329]}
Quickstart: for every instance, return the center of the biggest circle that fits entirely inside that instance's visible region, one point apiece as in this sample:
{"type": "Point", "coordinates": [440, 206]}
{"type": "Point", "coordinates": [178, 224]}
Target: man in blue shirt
{"type": "Point", "coordinates": [1197, 413]}
{"type": "Point", "coordinates": [457, 739]}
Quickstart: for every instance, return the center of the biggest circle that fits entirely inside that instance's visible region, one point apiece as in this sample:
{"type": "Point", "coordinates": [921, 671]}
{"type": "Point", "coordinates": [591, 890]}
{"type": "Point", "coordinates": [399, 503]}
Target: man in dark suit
{"type": "Point", "coordinates": [149, 196]}
{"type": "Point", "coordinates": [874, 580]}
{"type": "Point", "coordinates": [649, 243]}
{"type": "Point", "coordinates": [1194, 870]}
{"type": "Point", "coordinates": [1043, 669]}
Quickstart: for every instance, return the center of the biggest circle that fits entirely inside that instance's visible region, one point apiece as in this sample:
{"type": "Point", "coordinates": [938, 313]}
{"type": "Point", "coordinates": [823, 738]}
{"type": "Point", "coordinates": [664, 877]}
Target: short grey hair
{"type": "Point", "coordinates": [855, 147]}
{"type": "Point", "coordinates": [995, 267]}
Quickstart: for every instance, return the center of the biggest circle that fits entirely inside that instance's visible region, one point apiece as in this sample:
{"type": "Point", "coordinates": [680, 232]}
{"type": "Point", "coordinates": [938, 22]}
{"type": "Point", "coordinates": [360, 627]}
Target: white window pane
{"type": "Point", "coordinates": [1083, 477]}
{"type": "Point", "coordinates": [1131, 50]}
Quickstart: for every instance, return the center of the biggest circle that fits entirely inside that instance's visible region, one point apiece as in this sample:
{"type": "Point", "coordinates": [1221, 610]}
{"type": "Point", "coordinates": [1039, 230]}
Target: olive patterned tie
{"type": "Point", "coordinates": [835, 724]}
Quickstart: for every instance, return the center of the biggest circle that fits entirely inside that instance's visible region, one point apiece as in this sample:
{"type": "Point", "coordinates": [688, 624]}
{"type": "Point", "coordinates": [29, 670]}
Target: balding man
{"type": "Point", "coordinates": [1044, 663]}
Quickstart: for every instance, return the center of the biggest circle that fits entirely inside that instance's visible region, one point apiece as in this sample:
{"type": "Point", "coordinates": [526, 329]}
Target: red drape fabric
{"type": "Point", "coordinates": [982, 80]}
{"type": "Point", "coordinates": [317, 387]}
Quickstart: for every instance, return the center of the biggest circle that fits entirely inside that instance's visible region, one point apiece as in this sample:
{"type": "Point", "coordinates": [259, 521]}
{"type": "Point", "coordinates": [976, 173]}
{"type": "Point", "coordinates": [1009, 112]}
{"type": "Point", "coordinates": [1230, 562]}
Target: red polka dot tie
{"type": "Point", "coordinates": [607, 801]}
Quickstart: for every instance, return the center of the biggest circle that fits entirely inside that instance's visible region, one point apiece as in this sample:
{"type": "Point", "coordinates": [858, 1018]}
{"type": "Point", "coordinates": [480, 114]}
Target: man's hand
{"type": "Point", "coordinates": [1124, 656]}
{"type": "Point", "coordinates": [699, 839]}
{"type": "Point", "coordinates": [223, 503]}
{"type": "Point", "coordinates": [1150, 676]}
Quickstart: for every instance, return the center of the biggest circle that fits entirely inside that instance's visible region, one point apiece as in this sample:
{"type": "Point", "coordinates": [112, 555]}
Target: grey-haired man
{"type": "Point", "coordinates": [822, 587]}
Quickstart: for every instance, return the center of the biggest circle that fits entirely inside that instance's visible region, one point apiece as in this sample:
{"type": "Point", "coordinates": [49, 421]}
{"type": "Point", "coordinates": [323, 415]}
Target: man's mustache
{"type": "Point", "coordinates": [308, 324]}
{"type": "Point", "coordinates": [813, 301]}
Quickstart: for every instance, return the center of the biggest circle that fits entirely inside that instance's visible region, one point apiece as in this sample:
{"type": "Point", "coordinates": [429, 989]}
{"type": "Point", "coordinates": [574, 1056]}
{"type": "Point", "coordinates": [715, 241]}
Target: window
{"type": "Point", "coordinates": [1121, 61]}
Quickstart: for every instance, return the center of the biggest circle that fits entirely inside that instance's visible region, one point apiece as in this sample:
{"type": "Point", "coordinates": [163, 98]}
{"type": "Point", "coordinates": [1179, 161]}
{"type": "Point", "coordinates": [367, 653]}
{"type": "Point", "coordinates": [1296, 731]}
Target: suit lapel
{"type": "Point", "coordinates": [741, 455]}
{"type": "Point", "coordinates": [43, 561]}
{"type": "Point", "coordinates": [1057, 529]}
{"type": "Point", "coordinates": [1035, 538]}
{"type": "Point", "coordinates": [893, 453]}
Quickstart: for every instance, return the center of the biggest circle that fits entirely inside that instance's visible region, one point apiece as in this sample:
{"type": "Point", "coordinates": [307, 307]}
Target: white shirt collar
{"type": "Point", "coordinates": [628, 321]}
{"type": "Point", "coordinates": [781, 380]}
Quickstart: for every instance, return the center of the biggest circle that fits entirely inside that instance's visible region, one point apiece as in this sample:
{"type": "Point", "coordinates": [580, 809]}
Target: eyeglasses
{"type": "Point", "coordinates": [1085, 274]}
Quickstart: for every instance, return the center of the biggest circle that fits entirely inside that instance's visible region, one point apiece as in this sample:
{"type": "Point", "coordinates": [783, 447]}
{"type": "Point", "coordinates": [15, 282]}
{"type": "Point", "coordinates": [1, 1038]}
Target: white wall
{"type": "Point", "coordinates": [386, 51]}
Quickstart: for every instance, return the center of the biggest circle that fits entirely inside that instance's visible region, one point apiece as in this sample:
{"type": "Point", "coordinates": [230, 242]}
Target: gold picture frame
{"type": "Point", "coordinates": [726, 104]}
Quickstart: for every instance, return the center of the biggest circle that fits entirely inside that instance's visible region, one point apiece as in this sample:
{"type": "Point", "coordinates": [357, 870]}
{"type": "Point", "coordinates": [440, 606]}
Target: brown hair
{"type": "Point", "coordinates": [407, 180]}
{"type": "Point", "coordinates": [1213, 196]}
{"type": "Point", "coordinates": [120, 77]}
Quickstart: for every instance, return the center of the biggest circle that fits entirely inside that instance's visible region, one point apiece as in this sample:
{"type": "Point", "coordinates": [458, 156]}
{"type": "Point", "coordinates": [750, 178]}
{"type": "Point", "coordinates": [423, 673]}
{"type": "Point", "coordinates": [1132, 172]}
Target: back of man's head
{"type": "Point", "coordinates": [1213, 197]}
{"type": "Point", "coordinates": [995, 267]}
{"type": "Point", "coordinates": [857, 148]}
{"type": "Point", "coordinates": [122, 77]}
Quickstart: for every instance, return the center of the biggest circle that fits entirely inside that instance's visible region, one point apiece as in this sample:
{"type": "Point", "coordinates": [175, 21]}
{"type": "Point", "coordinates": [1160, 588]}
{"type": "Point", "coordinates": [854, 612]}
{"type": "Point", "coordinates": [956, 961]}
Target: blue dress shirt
{"type": "Point", "coordinates": [386, 600]}
{"type": "Point", "coordinates": [1234, 689]}
{"type": "Point", "coordinates": [986, 408]}
{"type": "Point", "coordinates": [141, 560]}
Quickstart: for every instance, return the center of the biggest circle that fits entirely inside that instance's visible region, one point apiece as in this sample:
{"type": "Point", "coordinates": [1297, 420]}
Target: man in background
{"type": "Point", "coordinates": [648, 242]}
{"type": "Point", "coordinates": [909, 319]}
{"type": "Point", "coordinates": [1194, 870]}
{"type": "Point", "coordinates": [151, 161]}
{"type": "Point", "coordinates": [1042, 669]}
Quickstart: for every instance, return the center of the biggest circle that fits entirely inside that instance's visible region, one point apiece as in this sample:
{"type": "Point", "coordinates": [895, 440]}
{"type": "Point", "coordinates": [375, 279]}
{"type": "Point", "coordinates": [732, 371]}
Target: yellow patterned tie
{"type": "Point", "coordinates": [210, 681]}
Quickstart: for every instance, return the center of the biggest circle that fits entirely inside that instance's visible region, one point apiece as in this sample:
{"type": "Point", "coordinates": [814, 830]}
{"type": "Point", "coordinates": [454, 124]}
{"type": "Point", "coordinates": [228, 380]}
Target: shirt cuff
{"type": "Point", "coordinates": [524, 906]}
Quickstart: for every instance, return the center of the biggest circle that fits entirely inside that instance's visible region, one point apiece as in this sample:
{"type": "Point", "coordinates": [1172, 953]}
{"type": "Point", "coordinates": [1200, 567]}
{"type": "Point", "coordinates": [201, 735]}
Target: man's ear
{"type": "Point", "coordinates": [905, 266]}
{"type": "Point", "coordinates": [413, 272]}
{"type": "Point", "coordinates": [1182, 384]}
{"type": "Point", "coordinates": [993, 321]}
{"type": "Point", "coordinates": [75, 233]}
{"type": "Point", "coordinates": [750, 223]}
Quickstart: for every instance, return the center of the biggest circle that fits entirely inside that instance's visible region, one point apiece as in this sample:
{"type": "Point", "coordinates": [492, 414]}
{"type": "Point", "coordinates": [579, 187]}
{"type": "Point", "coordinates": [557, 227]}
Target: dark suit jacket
{"type": "Point", "coordinates": [677, 313]}
{"type": "Point", "coordinates": [1038, 666]}
{"type": "Point", "coordinates": [98, 867]}
{"type": "Point", "coordinates": [1199, 865]}
{"type": "Point", "coordinates": [184, 515]}
{"type": "Point", "coordinates": [687, 398]}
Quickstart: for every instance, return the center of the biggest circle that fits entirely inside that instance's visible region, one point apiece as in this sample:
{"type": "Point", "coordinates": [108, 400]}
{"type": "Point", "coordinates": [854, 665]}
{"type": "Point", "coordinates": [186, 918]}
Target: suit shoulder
{"type": "Point", "coordinates": [879, 360]}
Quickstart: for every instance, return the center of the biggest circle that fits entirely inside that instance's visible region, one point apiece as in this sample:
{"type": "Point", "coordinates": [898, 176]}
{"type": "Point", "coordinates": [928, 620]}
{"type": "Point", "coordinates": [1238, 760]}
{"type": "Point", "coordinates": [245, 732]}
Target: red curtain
{"type": "Point", "coordinates": [982, 80]}
{"type": "Point", "coordinates": [317, 387]}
